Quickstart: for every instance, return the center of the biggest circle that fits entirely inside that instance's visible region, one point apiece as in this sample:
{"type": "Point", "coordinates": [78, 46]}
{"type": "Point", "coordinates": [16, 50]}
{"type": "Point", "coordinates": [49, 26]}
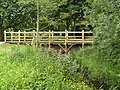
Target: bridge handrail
{"type": "Point", "coordinates": [66, 36]}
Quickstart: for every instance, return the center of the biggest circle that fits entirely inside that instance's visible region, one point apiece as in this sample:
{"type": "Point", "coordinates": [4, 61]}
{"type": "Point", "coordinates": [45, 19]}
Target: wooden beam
{"type": "Point", "coordinates": [24, 35]}
{"type": "Point", "coordinates": [66, 39]}
{"type": "Point", "coordinates": [49, 48]}
{"type": "Point", "coordinates": [11, 36]}
{"type": "Point", "coordinates": [52, 35]}
{"type": "Point", "coordinates": [19, 36]}
{"type": "Point", "coordinates": [61, 47]}
{"type": "Point", "coordinates": [5, 36]}
{"type": "Point", "coordinates": [70, 47]}
{"type": "Point", "coordinates": [82, 38]}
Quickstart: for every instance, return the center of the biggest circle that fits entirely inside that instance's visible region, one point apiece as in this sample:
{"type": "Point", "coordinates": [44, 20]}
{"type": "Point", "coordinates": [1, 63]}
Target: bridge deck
{"type": "Point", "coordinates": [52, 42]}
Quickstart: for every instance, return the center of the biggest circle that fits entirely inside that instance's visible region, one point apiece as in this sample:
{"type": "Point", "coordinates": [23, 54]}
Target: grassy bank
{"type": "Point", "coordinates": [100, 72]}
{"type": "Point", "coordinates": [28, 68]}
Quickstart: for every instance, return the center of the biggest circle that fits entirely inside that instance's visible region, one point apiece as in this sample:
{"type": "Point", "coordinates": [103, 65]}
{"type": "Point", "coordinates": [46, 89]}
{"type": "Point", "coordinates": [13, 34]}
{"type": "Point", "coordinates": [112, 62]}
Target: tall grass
{"type": "Point", "coordinates": [28, 68]}
{"type": "Point", "coordinates": [100, 72]}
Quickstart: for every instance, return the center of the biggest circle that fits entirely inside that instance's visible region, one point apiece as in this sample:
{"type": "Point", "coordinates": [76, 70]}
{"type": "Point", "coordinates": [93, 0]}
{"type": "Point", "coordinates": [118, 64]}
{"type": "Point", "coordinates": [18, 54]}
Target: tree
{"type": "Point", "coordinates": [37, 34]}
{"type": "Point", "coordinates": [59, 15]}
{"type": "Point", "coordinates": [17, 14]}
{"type": "Point", "coordinates": [104, 16]}
{"type": "Point", "coordinates": [54, 15]}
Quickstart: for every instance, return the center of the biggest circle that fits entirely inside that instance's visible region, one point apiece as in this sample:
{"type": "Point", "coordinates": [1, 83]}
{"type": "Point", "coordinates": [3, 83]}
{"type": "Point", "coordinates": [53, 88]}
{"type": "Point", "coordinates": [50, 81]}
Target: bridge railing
{"type": "Point", "coordinates": [51, 37]}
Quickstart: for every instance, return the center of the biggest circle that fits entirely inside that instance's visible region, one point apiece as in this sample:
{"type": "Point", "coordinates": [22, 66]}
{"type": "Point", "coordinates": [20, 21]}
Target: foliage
{"type": "Point", "coordinates": [17, 14]}
{"type": "Point", "coordinates": [24, 67]}
{"type": "Point", "coordinates": [20, 14]}
{"type": "Point", "coordinates": [106, 20]}
{"type": "Point", "coordinates": [100, 63]}
{"type": "Point", "coordinates": [103, 60]}
{"type": "Point", "coordinates": [98, 72]}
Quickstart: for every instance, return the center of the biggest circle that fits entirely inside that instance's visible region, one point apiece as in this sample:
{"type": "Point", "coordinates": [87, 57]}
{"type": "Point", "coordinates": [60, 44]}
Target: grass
{"type": "Point", "coordinates": [23, 67]}
{"type": "Point", "coordinates": [4, 48]}
{"type": "Point", "coordinates": [101, 73]}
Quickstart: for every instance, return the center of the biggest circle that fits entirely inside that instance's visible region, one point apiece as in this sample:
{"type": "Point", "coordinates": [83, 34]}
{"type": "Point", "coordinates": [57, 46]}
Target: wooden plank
{"type": "Point", "coordinates": [75, 32]}
{"type": "Point", "coordinates": [70, 47]}
{"type": "Point", "coordinates": [33, 42]}
{"type": "Point", "coordinates": [11, 35]}
{"type": "Point", "coordinates": [20, 32]}
{"type": "Point", "coordinates": [89, 36]}
{"type": "Point", "coordinates": [88, 32]}
{"type": "Point", "coordinates": [24, 35]}
{"type": "Point", "coordinates": [74, 36]}
{"type": "Point", "coordinates": [61, 47]}
{"type": "Point", "coordinates": [66, 39]}
{"type": "Point", "coordinates": [58, 32]}
{"type": "Point", "coordinates": [5, 36]}
{"type": "Point", "coordinates": [49, 48]}
{"type": "Point", "coordinates": [19, 36]}
{"type": "Point", "coordinates": [75, 39]}
{"type": "Point", "coordinates": [82, 38]}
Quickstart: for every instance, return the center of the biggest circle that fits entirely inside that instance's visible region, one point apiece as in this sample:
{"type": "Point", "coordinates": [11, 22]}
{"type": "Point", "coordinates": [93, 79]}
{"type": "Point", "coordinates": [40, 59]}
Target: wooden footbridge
{"type": "Point", "coordinates": [64, 39]}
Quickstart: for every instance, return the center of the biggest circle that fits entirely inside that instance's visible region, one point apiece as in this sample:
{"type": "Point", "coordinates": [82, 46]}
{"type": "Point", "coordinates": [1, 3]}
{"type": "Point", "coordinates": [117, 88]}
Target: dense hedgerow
{"type": "Point", "coordinates": [28, 68]}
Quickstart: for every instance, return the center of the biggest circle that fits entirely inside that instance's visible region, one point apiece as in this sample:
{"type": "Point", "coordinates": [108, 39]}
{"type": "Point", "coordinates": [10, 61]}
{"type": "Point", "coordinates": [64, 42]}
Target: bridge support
{"type": "Point", "coordinates": [49, 46]}
{"type": "Point", "coordinates": [65, 48]}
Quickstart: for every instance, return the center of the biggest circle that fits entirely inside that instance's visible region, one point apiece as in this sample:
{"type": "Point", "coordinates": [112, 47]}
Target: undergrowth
{"type": "Point", "coordinates": [101, 73]}
{"type": "Point", "coordinates": [28, 68]}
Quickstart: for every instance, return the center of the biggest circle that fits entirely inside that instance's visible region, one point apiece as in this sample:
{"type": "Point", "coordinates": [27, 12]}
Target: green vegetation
{"type": "Point", "coordinates": [103, 59]}
{"type": "Point", "coordinates": [100, 73]}
{"type": "Point", "coordinates": [54, 15]}
{"type": "Point", "coordinates": [24, 67]}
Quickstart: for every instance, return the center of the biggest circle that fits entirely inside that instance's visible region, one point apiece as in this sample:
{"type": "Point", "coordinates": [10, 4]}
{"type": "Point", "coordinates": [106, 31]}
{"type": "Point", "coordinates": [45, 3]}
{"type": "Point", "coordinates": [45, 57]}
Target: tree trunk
{"type": "Point", "coordinates": [1, 31]}
{"type": "Point", "coordinates": [37, 34]}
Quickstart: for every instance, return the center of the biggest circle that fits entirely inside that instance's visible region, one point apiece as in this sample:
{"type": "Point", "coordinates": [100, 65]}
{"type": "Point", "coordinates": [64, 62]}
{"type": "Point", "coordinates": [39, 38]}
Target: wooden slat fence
{"type": "Point", "coordinates": [50, 37]}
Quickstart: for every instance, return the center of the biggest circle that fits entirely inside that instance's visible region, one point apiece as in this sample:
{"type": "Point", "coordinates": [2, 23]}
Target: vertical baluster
{"type": "Point", "coordinates": [49, 48]}
{"type": "Point", "coordinates": [82, 38]}
{"type": "Point", "coordinates": [24, 36]}
{"type": "Point", "coordinates": [5, 35]}
{"type": "Point", "coordinates": [66, 39]}
{"type": "Point", "coordinates": [19, 36]}
{"type": "Point", "coordinates": [11, 35]}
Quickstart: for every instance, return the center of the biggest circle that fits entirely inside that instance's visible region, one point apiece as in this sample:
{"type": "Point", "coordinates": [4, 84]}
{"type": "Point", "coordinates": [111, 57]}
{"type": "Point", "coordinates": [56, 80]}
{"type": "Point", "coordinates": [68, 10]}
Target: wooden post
{"type": "Point", "coordinates": [11, 35]}
{"type": "Point", "coordinates": [33, 39]}
{"type": "Point", "coordinates": [66, 39]}
{"type": "Point", "coordinates": [5, 36]}
{"type": "Point", "coordinates": [82, 38]}
{"type": "Point", "coordinates": [33, 34]}
{"type": "Point", "coordinates": [19, 37]}
{"type": "Point", "coordinates": [24, 36]}
{"type": "Point", "coordinates": [52, 35]}
{"type": "Point", "coordinates": [49, 48]}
